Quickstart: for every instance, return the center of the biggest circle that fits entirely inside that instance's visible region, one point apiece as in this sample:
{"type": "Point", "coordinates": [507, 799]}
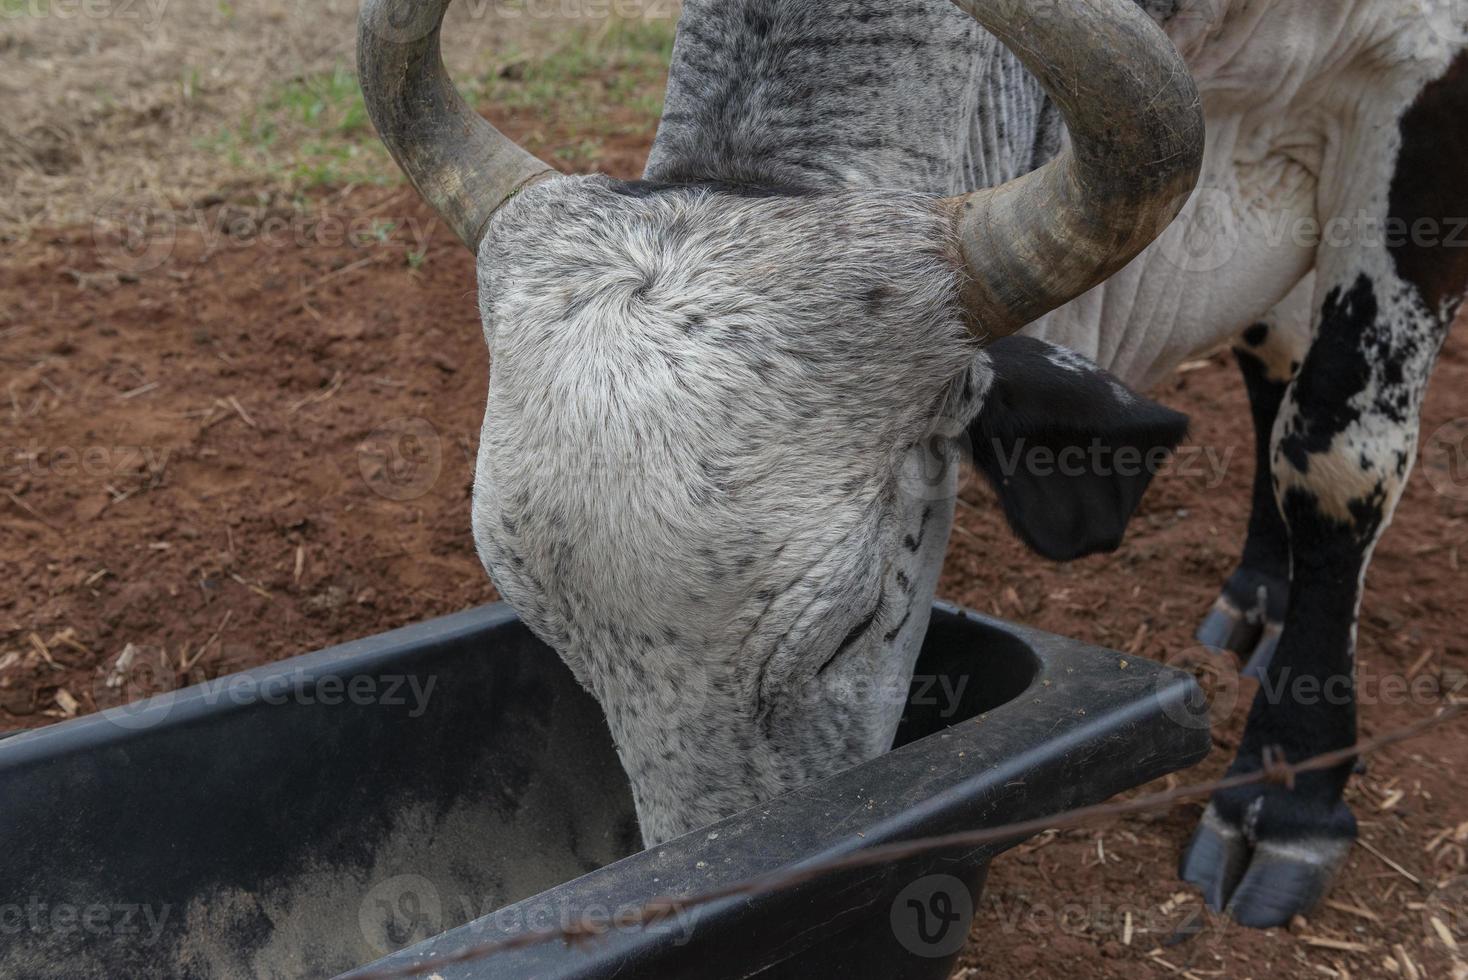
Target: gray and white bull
{"type": "Point", "coordinates": [713, 391]}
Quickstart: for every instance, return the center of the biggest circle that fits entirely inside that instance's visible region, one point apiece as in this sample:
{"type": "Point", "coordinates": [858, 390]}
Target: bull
{"type": "Point", "coordinates": [868, 227]}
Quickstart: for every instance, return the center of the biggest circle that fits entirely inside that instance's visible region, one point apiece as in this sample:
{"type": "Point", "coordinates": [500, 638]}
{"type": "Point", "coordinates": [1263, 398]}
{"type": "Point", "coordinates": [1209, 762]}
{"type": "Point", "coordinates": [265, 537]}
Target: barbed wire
{"type": "Point", "coordinates": [1275, 770]}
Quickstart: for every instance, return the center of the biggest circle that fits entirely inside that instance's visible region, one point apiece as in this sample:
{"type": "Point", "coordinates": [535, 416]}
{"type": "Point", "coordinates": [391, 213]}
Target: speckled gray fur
{"type": "Point", "coordinates": [702, 468]}
{"type": "Point", "coordinates": [908, 93]}
{"type": "Point", "coordinates": [694, 487]}
{"type": "Point", "coordinates": [706, 388]}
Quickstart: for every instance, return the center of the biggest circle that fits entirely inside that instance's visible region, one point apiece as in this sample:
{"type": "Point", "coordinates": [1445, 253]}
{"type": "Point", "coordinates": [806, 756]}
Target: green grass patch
{"type": "Point", "coordinates": [617, 63]}
{"type": "Point", "coordinates": [309, 132]}
{"type": "Point", "coordinates": [329, 103]}
{"type": "Point", "coordinates": [314, 131]}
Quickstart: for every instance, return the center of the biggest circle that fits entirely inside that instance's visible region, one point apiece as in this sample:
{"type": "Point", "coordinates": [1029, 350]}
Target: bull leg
{"type": "Point", "coordinates": [1343, 445]}
{"type": "Point", "coordinates": [1248, 615]}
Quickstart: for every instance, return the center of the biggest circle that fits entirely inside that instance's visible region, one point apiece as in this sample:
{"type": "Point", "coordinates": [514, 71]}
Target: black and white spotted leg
{"type": "Point", "coordinates": [1344, 443]}
{"type": "Point", "coordinates": [1248, 615]}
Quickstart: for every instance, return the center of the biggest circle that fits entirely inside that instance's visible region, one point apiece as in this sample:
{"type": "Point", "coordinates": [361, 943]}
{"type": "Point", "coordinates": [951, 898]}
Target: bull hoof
{"type": "Point", "coordinates": [1215, 860]}
{"type": "Point", "coordinates": [1246, 618]}
{"type": "Point", "coordinates": [1286, 879]}
{"type": "Point", "coordinates": [1262, 883]}
{"type": "Point", "coordinates": [1263, 654]}
{"type": "Point", "coordinates": [1227, 627]}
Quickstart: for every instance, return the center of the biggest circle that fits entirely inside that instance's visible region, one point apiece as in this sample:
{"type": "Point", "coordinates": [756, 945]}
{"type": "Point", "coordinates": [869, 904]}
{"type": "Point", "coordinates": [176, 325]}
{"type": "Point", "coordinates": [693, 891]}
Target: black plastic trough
{"type": "Point", "coordinates": [449, 783]}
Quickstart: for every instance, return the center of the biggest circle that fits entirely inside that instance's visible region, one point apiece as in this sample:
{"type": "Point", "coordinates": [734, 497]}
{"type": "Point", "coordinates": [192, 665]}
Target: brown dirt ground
{"type": "Point", "coordinates": [264, 445]}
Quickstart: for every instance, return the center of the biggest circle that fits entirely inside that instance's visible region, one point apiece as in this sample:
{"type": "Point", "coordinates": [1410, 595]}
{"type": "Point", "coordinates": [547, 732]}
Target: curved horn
{"type": "Point", "coordinates": [1136, 147]}
{"type": "Point", "coordinates": [461, 164]}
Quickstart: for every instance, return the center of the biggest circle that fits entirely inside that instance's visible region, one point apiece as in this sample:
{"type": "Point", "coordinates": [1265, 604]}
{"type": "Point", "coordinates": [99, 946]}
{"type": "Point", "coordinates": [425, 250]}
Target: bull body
{"type": "Point", "coordinates": [1327, 243]}
{"type": "Point", "coordinates": [708, 473]}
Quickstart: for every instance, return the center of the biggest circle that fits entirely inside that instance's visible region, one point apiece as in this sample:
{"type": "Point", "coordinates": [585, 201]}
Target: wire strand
{"type": "Point", "coordinates": [1276, 770]}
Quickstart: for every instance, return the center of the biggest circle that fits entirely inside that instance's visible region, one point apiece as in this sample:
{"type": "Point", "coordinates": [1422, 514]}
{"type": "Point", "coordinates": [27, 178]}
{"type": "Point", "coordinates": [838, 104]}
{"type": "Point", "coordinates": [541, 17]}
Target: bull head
{"type": "Point", "coordinates": [699, 477]}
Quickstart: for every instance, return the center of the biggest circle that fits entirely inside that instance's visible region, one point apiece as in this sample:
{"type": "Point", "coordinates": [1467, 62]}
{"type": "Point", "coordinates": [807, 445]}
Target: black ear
{"type": "Point", "coordinates": [1068, 448]}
